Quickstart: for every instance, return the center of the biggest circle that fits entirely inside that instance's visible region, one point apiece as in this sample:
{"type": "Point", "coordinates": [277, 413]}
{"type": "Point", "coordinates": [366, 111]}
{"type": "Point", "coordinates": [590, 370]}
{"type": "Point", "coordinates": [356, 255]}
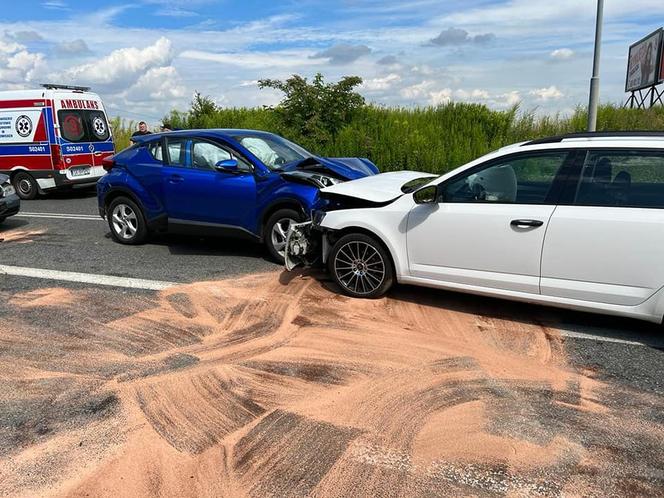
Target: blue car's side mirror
{"type": "Point", "coordinates": [228, 165]}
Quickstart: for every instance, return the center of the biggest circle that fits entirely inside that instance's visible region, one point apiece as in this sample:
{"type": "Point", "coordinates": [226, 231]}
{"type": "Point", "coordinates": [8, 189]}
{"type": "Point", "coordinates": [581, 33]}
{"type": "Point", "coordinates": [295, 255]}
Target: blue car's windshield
{"type": "Point", "coordinates": [272, 150]}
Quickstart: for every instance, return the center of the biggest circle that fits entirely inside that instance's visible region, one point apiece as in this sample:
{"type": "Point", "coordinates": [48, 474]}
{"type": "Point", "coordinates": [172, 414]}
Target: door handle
{"type": "Point", "coordinates": [526, 223]}
{"type": "Point", "coordinates": [98, 153]}
{"type": "Point", "coordinates": [175, 179]}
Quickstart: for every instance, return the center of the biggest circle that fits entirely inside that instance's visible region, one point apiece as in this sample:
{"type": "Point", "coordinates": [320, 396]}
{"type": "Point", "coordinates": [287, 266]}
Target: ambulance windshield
{"type": "Point", "coordinates": [77, 125]}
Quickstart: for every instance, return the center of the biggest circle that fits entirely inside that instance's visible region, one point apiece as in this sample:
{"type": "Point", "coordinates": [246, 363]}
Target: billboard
{"type": "Point", "coordinates": [643, 62]}
{"type": "Point", "coordinates": [661, 62]}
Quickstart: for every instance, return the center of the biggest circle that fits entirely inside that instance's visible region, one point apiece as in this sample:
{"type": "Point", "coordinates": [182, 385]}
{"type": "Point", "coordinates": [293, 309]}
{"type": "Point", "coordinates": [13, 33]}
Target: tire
{"type": "Point", "coordinates": [25, 185]}
{"type": "Point", "coordinates": [274, 233]}
{"type": "Point", "coordinates": [126, 221]}
{"type": "Point", "coordinates": [361, 266]}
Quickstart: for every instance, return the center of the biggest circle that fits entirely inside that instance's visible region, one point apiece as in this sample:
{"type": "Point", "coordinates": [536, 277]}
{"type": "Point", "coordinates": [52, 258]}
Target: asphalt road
{"type": "Point", "coordinates": [71, 243]}
{"type": "Point", "coordinates": [64, 233]}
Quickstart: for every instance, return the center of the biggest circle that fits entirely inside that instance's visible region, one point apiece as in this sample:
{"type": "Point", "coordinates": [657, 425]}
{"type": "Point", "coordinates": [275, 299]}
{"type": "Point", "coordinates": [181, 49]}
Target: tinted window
{"type": "Point", "coordinates": [83, 126]}
{"type": "Point", "coordinates": [517, 180]}
{"type": "Point", "coordinates": [622, 178]}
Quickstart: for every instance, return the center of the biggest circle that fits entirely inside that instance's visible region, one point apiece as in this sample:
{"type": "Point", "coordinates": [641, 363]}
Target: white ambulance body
{"type": "Point", "coordinates": [52, 138]}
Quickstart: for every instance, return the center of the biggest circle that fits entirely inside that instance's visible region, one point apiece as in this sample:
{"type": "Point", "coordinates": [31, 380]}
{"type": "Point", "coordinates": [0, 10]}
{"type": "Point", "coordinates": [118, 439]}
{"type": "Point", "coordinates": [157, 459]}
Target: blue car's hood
{"type": "Point", "coordinates": [347, 168]}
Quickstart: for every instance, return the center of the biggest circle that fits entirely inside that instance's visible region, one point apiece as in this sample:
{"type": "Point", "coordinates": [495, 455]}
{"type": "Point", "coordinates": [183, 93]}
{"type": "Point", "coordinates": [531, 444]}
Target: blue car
{"type": "Point", "coordinates": [245, 183]}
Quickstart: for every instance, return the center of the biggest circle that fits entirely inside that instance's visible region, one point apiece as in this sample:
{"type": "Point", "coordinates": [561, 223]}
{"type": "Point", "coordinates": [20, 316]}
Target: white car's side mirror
{"type": "Point", "coordinates": [426, 195]}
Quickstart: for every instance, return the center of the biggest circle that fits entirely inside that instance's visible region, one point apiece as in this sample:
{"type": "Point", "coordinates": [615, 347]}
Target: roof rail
{"type": "Point", "coordinates": [56, 86]}
{"type": "Point", "coordinates": [597, 134]}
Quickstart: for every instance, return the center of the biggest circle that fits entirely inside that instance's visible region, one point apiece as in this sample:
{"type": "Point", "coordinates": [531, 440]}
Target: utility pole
{"type": "Point", "coordinates": [594, 81]}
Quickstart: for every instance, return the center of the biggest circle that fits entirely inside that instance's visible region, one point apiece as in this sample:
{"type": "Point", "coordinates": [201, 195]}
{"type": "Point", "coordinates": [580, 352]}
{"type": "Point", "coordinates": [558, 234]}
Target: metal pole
{"type": "Point", "coordinates": [594, 81]}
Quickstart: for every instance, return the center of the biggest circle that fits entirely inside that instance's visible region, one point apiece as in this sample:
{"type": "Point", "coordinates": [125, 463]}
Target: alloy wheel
{"type": "Point", "coordinates": [359, 267]}
{"type": "Point", "coordinates": [279, 233]}
{"type": "Point", "coordinates": [125, 221]}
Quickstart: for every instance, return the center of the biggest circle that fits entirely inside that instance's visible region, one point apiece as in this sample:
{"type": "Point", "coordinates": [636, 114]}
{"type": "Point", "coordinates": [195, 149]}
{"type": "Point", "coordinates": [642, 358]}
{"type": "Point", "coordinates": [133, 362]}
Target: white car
{"type": "Point", "coordinates": [575, 221]}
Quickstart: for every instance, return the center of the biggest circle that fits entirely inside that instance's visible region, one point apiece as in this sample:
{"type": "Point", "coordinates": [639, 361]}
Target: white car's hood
{"type": "Point", "coordinates": [378, 188]}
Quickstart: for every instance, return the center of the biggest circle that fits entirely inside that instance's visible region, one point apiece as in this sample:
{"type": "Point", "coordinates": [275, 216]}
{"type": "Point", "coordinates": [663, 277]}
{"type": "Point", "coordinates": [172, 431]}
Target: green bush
{"type": "Point", "coordinates": [432, 139]}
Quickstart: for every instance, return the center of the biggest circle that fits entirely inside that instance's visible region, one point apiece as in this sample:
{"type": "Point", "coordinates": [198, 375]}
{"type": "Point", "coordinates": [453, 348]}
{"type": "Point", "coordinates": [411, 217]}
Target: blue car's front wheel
{"type": "Point", "coordinates": [276, 231]}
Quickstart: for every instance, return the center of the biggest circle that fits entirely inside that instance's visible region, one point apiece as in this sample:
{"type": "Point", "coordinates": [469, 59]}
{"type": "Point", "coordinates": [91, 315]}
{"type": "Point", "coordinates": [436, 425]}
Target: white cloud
{"type": "Point", "coordinates": [158, 83]}
{"type": "Point", "coordinates": [544, 94]}
{"type": "Point", "coordinates": [562, 53]}
{"type": "Point", "coordinates": [418, 90]}
{"type": "Point", "coordinates": [121, 66]}
{"type": "Point", "coordinates": [254, 60]}
{"type": "Point", "coordinates": [381, 83]}
{"type": "Point", "coordinates": [17, 64]}
{"type": "Point", "coordinates": [439, 97]}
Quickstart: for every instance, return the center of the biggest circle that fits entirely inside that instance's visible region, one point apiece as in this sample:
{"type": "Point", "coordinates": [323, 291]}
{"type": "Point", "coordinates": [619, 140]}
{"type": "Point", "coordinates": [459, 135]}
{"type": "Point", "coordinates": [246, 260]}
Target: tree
{"type": "Point", "coordinates": [201, 108]}
{"type": "Point", "coordinates": [316, 110]}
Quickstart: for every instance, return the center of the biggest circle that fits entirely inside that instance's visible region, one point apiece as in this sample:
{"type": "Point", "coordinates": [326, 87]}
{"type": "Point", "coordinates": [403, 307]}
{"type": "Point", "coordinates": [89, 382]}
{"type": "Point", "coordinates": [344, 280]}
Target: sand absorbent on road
{"type": "Point", "coordinates": [276, 385]}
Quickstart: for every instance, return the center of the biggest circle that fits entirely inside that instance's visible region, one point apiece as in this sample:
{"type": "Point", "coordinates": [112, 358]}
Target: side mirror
{"type": "Point", "coordinates": [426, 195]}
{"type": "Point", "coordinates": [227, 165]}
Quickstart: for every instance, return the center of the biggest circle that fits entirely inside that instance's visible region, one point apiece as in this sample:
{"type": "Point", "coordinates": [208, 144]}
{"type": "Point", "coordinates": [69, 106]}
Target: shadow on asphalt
{"type": "Point", "coordinates": [192, 245]}
{"type": "Point", "coordinates": [73, 193]}
{"type": "Point", "coordinates": [12, 223]}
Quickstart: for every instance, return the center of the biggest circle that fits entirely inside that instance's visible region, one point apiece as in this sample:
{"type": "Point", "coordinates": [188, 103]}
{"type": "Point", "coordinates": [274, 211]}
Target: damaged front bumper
{"type": "Point", "coordinates": [306, 244]}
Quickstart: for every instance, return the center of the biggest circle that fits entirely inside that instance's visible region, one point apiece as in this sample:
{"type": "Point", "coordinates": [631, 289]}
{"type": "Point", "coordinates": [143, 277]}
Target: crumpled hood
{"type": "Point", "coordinates": [3, 178]}
{"type": "Point", "coordinates": [378, 188]}
{"type": "Point", "coordinates": [347, 168]}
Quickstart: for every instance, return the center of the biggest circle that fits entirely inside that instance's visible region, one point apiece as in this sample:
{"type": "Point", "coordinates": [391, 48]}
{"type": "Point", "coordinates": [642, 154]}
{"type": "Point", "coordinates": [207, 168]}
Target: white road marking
{"type": "Point", "coordinates": [86, 278]}
{"type": "Point", "coordinates": [591, 337]}
{"type": "Point", "coordinates": [61, 216]}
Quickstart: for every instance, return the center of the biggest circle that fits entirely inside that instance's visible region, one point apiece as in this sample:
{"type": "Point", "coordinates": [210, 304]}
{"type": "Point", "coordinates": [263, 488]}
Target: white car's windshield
{"type": "Point", "coordinates": [272, 150]}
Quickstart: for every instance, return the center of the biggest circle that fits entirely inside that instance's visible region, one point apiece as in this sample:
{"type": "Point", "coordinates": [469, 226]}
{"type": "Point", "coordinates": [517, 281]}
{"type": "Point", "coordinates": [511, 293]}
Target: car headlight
{"type": "Point", "coordinates": [8, 190]}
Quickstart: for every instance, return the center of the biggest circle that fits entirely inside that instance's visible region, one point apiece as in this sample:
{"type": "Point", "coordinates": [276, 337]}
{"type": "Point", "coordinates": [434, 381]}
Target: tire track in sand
{"type": "Point", "coordinates": [273, 386]}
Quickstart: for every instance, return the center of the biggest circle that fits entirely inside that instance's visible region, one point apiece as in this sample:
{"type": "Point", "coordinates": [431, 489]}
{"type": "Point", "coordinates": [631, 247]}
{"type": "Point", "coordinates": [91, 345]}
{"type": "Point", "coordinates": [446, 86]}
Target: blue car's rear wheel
{"type": "Point", "coordinates": [126, 221]}
{"type": "Point", "coordinates": [276, 230]}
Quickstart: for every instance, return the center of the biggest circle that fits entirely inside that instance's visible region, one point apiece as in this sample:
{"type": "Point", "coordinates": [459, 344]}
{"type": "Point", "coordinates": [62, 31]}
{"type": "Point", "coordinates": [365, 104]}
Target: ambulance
{"type": "Point", "coordinates": [52, 138]}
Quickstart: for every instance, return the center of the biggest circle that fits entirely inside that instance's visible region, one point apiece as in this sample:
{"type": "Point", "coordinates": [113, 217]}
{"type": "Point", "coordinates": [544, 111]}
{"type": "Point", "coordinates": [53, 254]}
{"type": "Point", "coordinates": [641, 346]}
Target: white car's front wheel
{"type": "Point", "coordinates": [361, 266]}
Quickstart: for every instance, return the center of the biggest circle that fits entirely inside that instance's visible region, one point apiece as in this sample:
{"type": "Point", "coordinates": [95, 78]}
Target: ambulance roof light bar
{"type": "Point", "coordinates": [55, 86]}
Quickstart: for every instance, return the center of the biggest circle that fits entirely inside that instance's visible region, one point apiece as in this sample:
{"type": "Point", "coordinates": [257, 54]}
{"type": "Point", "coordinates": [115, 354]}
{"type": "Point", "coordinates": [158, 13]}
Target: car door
{"type": "Point", "coordinates": [196, 193]}
{"type": "Point", "coordinates": [487, 228]}
{"type": "Point", "coordinates": [604, 244]}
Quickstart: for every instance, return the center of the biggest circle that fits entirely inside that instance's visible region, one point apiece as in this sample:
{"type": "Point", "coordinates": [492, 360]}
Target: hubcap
{"type": "Point", "coordinates": [25, 186]}
{"type": "Point", "coordinates": [359, 267]}
{"type": "Point", "coordinates": [279, 234]}
{"type": "Point", "coordinates": [125, 221]}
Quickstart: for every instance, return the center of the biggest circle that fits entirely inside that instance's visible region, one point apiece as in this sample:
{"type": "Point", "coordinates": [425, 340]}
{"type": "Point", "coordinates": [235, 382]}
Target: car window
{"type": "Point", "coordinates": [273, 151]}
{"type": "Point", "coordinates": [205, 154]}
{"type": "Point", "coordinates": [622, 178]}
{"type": "Point", "coordinates": [177, 152]}
{"type": "Point", "coordinates": [525, 179]}
{"type": "Point", "coordinates": [156, 151]}
{"type": "Point", "coordinates": [83, 126]}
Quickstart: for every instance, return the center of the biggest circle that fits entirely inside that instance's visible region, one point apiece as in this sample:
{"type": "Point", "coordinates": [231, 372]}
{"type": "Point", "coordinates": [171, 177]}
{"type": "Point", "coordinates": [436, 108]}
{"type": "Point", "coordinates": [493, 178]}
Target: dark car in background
{"type": "Point", "coordinates": [9, 201]}
{"type": "Point", "coordinates": [245, 183]}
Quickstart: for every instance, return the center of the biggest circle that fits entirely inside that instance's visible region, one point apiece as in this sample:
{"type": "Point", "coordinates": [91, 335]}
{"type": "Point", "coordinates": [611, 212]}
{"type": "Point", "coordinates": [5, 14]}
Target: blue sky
{"type": "Point", "coordinates": [147, 56]}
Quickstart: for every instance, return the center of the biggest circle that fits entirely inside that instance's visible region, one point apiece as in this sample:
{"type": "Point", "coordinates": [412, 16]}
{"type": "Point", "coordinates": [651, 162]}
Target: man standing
{"type": "Point", "coordinates": [142, 130]}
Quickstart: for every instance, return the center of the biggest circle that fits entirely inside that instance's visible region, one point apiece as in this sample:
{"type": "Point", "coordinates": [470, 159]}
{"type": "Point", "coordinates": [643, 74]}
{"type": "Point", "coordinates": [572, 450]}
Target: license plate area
{"type": "Point", "coordinates": [77, 171]}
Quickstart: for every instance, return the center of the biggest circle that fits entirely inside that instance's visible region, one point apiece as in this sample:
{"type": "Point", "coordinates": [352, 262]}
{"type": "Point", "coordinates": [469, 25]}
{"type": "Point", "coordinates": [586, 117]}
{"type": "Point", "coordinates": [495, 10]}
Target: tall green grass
{"type": "Point", "coordinates": [432, 139]}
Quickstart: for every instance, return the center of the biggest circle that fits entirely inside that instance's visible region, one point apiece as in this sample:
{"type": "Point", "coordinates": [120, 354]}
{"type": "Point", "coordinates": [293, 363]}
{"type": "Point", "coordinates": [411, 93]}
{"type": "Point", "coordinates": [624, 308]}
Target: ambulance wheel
{"type": "Point", "coordinates": [126, 221]}
{"type": "Point", "coordinates": [25, 185]}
